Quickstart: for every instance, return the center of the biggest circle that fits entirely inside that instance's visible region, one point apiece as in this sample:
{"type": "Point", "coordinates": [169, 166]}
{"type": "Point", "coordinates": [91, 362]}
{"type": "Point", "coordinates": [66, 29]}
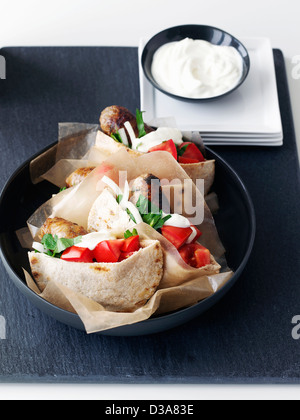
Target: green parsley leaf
{"type": "Point", "coordinates": [131, 215]}
{"type": "Point", "coordinates": [49, 241]}
{"type": "Point", "coordinates": [55, 246]}
{"type": "Point", "coordinates": [62, 244]}
{"type": "Point", "coordinates": [181, 150]}
{"type": "Point", "coordinates": [150, 213]}
{"type": "Point", "coordinates": [116, 136]}
{"type": "Point", "coordinates": [143, 205]}
{"type": "Point", "coordinates": [161, 222]}
{"type": "Point", "coordinates": [129, 234]}
{"type": "Point", "coordinates": [140, 123]}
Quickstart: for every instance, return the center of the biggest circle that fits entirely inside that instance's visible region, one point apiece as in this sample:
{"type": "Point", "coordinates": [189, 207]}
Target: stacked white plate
{"type": "Point", "coordinates": [249, 116]}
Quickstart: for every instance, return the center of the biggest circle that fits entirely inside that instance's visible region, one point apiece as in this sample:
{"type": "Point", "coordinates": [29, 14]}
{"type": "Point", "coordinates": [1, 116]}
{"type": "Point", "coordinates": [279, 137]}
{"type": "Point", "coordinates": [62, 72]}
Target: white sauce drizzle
{"type": "Point", "coordinates": [91, 240]}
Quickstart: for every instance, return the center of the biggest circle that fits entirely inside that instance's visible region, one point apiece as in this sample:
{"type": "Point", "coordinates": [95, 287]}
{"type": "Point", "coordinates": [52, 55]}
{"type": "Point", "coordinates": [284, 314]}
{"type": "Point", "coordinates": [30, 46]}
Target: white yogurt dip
{"type": "Point", "coordinates": [196, 68]}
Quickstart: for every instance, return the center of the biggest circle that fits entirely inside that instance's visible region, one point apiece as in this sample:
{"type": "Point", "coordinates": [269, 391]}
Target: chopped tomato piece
{"type": "Point", "coordinates": [186, 253]}
{"type": "Point", "coordinates": [184, 160]}
{"type": "Point", "coordinates": [191, 151]}
{"type": "Point", "coordinates": [177, 236]}
{"type": "Point", "coordinates": [131, 244]}
{"type": "Point", "coordinates": [195, 255]}
{"type": "Point", "coordinates": [108, 251]}
{"type": "Point", "coordinates": [125, 255]}
{"type": "Point", "coordinates": [77, 254]}
{"type": "Point", "coordinates": [167, 146]}
{"type": "Point", "coordinates": [202, 257]}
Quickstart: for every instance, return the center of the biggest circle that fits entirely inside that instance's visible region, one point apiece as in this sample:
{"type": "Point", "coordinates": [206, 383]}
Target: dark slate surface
{"type": "Point", "coordinates": [246, 338]}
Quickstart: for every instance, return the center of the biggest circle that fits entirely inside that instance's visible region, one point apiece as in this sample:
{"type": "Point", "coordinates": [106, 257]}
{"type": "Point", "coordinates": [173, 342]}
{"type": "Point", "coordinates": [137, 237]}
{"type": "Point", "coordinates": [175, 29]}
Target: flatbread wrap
{"type": "Point", "coordinates": [122, 286]}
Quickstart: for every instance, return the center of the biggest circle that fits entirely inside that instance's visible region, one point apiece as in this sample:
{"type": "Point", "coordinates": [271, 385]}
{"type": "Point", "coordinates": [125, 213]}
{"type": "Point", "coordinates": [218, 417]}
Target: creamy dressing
{"type": "Point", "coordinates": [155, 138]}
{"type": "Point", "coordinates": [196, 68]}
{"type": "Point", "coordinates": [91, 240]}
{"type": "Point", "coordinates": [177, 220]}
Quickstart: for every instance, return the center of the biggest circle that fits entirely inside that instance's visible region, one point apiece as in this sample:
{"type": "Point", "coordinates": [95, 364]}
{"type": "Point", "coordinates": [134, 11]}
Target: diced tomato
{"type": "Point", "coordinates": [195, 255]}
{"type": "Point", "coordinates": [131, 244]}
{"type": "Point", "coordinates": [167, 146]}
{"type": "Point", "coordinates": [108, 251]}
{"type": "Point", "coordinates": [125, 255]}
{"type": "Point", "coordinates": [184, 160]}
{"type": "Point", "coordinates": [186, 253]}
{"type": "Point", "coordinates": [202, 257]}
{"type": "Point", "coordinates": [191, 152]}
{"type": "Point", "coordinates": [177, 236]}
{"type": "Point", "coordinates": [77, 254]}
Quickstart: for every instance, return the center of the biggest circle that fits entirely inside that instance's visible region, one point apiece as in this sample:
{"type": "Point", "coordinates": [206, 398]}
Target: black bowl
{"type": "Point", "coordinates": [235, 222]}
{"type": "Point", "coordinates": [207, 33]}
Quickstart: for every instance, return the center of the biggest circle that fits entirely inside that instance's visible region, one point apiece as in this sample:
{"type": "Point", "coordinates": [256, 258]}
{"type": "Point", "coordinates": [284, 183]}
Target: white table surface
{"type": "Point", "coordinates": [123, 23]}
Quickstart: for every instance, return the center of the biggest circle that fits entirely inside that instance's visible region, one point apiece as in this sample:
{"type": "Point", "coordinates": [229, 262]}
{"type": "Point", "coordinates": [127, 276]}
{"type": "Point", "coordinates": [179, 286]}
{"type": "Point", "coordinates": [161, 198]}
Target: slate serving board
{"type": "Point", "coordinates": [245, 338]}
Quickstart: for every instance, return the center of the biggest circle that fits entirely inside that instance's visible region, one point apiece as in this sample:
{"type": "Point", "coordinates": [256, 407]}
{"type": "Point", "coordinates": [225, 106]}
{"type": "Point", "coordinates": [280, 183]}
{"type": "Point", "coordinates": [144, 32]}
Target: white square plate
{"type": "Point", "coordinates": [250, 115]}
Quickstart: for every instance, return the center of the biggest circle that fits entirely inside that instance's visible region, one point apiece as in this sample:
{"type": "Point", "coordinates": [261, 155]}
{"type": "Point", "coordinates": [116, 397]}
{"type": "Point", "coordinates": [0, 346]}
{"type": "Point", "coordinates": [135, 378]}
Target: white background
{"type": "Point", "coordinates": [123, 23]}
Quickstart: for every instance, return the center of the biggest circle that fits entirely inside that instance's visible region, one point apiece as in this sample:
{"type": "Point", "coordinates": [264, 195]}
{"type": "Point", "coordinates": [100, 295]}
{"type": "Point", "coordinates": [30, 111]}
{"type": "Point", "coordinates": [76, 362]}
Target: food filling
{"type": "Point", "coordinates": [161, 140]}
{"type": "Point", "coordinates": [176, 228]}
{"type": "Point", "coordinates": [87, 249]}
{"type": "Point", "coordinates": [70, 242]}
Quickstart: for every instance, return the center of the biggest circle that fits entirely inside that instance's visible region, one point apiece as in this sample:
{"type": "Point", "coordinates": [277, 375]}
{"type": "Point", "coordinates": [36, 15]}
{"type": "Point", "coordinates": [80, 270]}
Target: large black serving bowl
{"type": "Point", "coordinates": [207, 33]}
{"type": "Point", "coordinates": [235, 222]}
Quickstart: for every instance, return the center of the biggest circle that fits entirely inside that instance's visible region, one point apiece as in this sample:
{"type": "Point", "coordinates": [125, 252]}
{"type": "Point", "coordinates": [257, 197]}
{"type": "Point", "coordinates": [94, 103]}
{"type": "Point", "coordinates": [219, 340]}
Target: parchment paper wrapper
{"type": "Point", "coordinates": [181, 286]}
{"type": "Point", "coordinates": [96, 319]}
{"type": "Point", "coordinates": [82, 145]}
{"type": "Point", "coordinates": [75, 140]}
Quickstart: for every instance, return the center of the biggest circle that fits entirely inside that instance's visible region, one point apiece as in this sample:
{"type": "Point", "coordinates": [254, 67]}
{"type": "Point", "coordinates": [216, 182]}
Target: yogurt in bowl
{"type": "Point", "coordinates": [195, 68]}
{"type": "Point", "coordinates": [195, 63]}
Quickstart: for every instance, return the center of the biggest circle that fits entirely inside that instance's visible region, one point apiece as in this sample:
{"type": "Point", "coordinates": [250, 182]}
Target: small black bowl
{"type": "Point", "coordinates": [235, 222]}
{"type": "Point", "coordinates": [207, 33]}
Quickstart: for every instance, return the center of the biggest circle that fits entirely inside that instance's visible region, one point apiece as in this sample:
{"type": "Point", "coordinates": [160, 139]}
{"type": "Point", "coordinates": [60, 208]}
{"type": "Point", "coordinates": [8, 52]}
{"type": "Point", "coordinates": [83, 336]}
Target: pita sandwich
{"type": "Point", "coordinates": [120, 287]}
{"type": "Point", "coordinates": [202, 170]}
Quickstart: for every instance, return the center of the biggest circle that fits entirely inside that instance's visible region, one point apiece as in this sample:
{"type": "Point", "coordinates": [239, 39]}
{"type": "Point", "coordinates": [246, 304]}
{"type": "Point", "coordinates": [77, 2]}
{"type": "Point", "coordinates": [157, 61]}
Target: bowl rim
{"type": "Point", "coordinates": [246, 61]}
{"type": "Point", "coordinates": [152, 320]}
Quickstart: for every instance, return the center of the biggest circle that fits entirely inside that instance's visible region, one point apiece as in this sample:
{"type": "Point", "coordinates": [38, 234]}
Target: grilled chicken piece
{"type": "Point", "coordinates": [62, 228]}
{"type": "Point", "coordinates": [77, 176]}
{"type": "Point", "coordinates": [114, 117]}
{"type": "Point", "coordinates": [149, 186]}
